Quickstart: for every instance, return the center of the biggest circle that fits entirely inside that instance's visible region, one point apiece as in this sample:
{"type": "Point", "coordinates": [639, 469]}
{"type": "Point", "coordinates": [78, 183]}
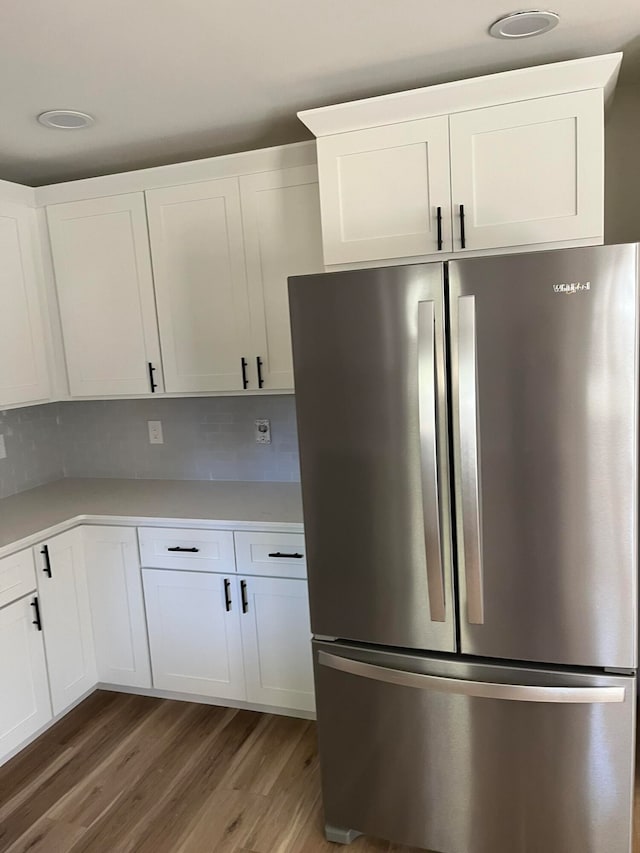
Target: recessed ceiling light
{"type": "Point", "coordinates": [522, 25]}
{"type": "Point", "coordinates": [65, 119]}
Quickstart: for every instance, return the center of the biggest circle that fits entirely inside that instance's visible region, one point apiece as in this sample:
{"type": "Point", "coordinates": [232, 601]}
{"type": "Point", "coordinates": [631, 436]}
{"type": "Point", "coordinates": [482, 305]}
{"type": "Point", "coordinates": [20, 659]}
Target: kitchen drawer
{"type": "Point", "coordinates": [17, 576]}
{"type": "Point", "coordinates": [271, 554]}
{"type": "Point", "coordinates": [191, 550]}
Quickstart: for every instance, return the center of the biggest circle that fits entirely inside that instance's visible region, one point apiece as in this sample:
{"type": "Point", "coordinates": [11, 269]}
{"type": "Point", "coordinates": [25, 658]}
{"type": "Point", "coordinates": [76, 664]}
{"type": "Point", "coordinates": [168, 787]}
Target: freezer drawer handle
{"type": "Point", "coordinates": [469, 498]}
{"type": "Point", "coordinates": [428, 420]}
{"type": "Point", "coordinates": [479, 689]}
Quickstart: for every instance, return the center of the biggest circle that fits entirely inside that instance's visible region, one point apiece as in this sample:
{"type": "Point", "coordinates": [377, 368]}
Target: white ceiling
{"type": "Point", "coordinates": [171, 80]}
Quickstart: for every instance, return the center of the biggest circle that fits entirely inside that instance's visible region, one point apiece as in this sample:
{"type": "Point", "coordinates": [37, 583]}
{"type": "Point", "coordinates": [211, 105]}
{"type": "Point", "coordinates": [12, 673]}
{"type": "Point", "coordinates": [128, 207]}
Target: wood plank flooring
{"type": "Point", "coordinates": [130, 774]}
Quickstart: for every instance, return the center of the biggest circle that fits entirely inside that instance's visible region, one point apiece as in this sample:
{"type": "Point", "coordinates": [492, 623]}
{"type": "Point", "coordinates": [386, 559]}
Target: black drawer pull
{"type": "Point", "coordinates": [184, 550]}
{"type": "Point", "coordinates": [36, 621]}
{"type": "Point", "coordinates": [295, 556]}
{"type": "Point", "coordinates": [245, 600]}
{"type": "Point", "coordinates": [243, 366]}
{"type": "Point", "coordinates": [47, 560]}
{"type": "Point", "coordinates": [259, 369]}
{"type": "Point", "coordinates": [227, 594]}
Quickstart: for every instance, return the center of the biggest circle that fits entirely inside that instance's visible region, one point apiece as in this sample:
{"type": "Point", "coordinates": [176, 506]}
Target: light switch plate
{"type": "Point", "coordinates": [3, 449]}
{"type": "Point", "coordinates": [155, 432]}
{"type": "Point", "coordinates": [263, 431]}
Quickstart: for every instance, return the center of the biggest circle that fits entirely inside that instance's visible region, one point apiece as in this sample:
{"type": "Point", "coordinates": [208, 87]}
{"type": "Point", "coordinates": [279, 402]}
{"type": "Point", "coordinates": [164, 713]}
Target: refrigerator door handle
{"type": "Point", "coordinates": [479, 689]}
{"type": "Point", "coordinates": [427, 414]}
{"type": "Point", "coordinates": [469, 471]}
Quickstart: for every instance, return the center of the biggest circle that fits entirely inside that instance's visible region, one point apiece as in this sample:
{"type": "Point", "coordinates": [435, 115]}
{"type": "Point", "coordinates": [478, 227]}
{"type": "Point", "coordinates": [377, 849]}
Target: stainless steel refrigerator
{"type": "Point", "coordinates": [469, 454]}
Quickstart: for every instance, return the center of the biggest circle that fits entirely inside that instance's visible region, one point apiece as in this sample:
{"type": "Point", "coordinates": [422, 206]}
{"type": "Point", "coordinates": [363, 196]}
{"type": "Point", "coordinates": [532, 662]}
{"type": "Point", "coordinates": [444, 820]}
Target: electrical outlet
{"type": "Point", "coordinates": [155, 432]}
{"type": "Point", "coordinates": [3, 449]}
{"type": "Point", "coordinates": [263, 431]}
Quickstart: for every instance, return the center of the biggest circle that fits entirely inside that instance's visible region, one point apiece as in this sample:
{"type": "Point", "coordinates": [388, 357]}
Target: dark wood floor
{"type": "Point", "coordinates": [129, 774]}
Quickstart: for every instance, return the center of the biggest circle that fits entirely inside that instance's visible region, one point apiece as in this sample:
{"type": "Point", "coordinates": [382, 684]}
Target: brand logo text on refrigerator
{"type": "Point", "coordinates": [572, 287]}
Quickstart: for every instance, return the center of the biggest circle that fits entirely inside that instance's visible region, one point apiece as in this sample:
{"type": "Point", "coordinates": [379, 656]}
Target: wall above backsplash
{"type": "Point", "coordinates": [207, 438]}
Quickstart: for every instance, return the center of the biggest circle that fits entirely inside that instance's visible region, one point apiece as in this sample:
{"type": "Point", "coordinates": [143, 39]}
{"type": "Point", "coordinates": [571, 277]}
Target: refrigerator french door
{"type": "Point", "coordinates": [492, 402]}
{"type": "Point", "coordinates": [369, 352]}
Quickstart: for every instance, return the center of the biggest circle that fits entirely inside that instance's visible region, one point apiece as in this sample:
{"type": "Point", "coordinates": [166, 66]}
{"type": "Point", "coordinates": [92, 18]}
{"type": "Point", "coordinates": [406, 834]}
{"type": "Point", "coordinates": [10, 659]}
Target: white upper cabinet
{"type": "Point", "coordinates": [530, 172]}
{"type": "Point", "coordinates": [281, 217]}
{"type": "Point", "coordinates": [513, 161]}
{"type": "Point", "coordinates": [201, 287]}
{"type": "Point", "coordinates": [23, 369]}
{"type": "Point", "coordinates": [385, 191]}
{"type": "Point", "coordinates": [105, 289]}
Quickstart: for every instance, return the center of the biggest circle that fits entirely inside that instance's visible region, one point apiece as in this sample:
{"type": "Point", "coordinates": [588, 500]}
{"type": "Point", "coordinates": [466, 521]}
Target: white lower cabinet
{"type": "Point", "coordinates": [276, 639]}
{"type": "Point", "coordinates": [226, 637]}
{"type": "Point", "coordinates": [66, 617]}
{"type": "Point", "coordinates": [194, 632]}
{"type": "Point", "coordinates": [117, 606]}
{"type": "Point", "coordinates": [24, 693]}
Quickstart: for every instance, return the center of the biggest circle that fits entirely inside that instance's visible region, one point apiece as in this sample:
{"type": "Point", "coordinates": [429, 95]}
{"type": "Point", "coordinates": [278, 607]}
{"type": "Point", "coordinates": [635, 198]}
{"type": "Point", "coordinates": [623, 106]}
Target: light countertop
{"type": "Point", "coordinates": [29, 513]}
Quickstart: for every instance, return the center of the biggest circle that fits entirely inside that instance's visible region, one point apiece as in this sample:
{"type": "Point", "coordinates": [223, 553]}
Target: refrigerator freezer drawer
{"type": "Point", "coordinates": [462, 757]}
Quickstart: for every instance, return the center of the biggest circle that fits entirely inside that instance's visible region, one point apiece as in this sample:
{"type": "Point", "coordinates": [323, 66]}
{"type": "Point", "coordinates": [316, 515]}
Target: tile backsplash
{"type": "Point", "coordinates": [34, 449]}
{"type": "Point", "coordinates": [208, 438]}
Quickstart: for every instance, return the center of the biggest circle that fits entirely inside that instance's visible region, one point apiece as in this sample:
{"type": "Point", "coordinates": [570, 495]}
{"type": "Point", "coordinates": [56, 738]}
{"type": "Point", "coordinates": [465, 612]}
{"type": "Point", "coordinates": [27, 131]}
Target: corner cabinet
{"type": "Point", "coordinates": [105, 290]}
{"type": "Point", "coordinates": [117, 605]}
{"type": "Point", "coordinates": [506, 162]}
{"type": "Point", "coordinates": [66, 618]}
{"type": "Point", "coordinates": [23, 368]}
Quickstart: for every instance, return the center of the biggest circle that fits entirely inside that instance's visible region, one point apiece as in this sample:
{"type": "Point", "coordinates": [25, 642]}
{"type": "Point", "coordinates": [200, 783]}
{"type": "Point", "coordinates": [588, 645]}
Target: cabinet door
{"type": "Point", "coordinates": [117, 606]}
{"type": "Point", "coordinates": [276, 637]}
{"type": "Point", "coordinates": [194, 633]}
{"type": "Point", "coordinates": [529, 172]}
{"type": "Point", "coordinates": [201, 287]}
{"type": "Point", "coordinates": [381, 188]}
{"type": "Point", "coordinates": [23, 369]}
{"type": "Point", "coordinates": [103, 274]}
{"type": "Point", "coordinates": [66, 618]}
{"type": "Point", "coordinates": [25, 705]}
{"type": "Point", "coordinates": [283, 237]}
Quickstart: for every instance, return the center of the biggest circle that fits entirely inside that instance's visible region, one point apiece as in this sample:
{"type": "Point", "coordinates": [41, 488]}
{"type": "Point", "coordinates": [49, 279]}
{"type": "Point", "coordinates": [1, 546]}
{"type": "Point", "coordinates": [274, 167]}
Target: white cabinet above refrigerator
{"type": "Point", "coordinates": [505, 162]}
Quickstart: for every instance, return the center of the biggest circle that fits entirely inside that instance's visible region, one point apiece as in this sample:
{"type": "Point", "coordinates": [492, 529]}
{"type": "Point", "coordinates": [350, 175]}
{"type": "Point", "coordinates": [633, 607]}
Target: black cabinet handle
{"type": "Point", "coordinates": [184, 550]}
{"type": "Point", "coordinates": [152, 381]}
{"type": "Point", "coordinates": [245, 600]}
{"type": "Point", "coordinates": [290, 556]}
{"type": "Point", "coordinates": [463, 242]}
{"type": "Point", "coordinates": [227, 594]}
{"type": "Point", "coordinates": [36, 607]}
{"type": "Point", "coordinates": [439, 219]}
{"type": "Point", "coordinates": [259, 366]}
{"type": "Point", "coordinates": [243, 364]}
{"type": "Point", "coordinates": [47, 560]}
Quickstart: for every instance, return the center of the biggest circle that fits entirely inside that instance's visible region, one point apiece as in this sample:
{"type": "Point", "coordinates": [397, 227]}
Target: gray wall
{"type": "Point", "coordinates": [622, 173]}
{"type": "Point", "coordinates": [204, 439]}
